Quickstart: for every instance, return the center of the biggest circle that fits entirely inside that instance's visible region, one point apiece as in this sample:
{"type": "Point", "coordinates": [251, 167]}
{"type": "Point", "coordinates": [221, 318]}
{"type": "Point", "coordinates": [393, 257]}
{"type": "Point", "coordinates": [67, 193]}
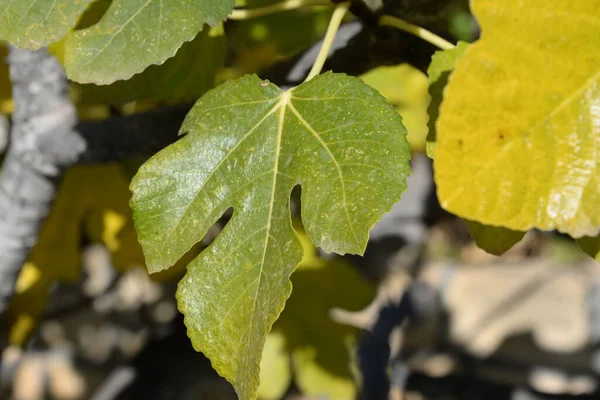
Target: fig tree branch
{"type": "Point", "coordinates": [43, 143]}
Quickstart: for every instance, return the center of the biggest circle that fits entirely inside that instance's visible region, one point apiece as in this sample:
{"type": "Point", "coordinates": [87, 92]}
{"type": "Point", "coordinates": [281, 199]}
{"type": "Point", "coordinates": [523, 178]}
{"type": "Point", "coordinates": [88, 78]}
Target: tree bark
{"type": "Point", "coordinates": [42, 144]}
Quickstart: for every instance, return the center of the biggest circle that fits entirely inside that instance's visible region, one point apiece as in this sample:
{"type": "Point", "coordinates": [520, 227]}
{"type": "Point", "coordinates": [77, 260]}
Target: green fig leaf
{"type": "Point", "coordinates": [248, 145]}
{"type": "Point", "coordinates": [184, 77]}
{"type": "Point", "coordinates": [134, 34]}
{"type": "Point", "coordinates": [32, 24]}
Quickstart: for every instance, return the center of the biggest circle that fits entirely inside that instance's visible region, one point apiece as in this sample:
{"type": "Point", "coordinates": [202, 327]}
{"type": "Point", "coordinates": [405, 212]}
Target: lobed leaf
{"type": "Point", "coordinates": [134, 34]}
{"type": "Point", "coordinates": [519, 129]}
{"type": "Point", "coordinates": [248, 145]}
{"type": "Point", "coordinates": [32, 24]}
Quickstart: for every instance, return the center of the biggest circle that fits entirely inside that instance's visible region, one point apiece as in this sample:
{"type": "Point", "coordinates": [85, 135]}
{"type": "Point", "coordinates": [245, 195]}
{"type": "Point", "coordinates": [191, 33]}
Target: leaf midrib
{"type": "Point", "coordinates": [282, 104]}
{"type": "Point", "coordinates": [169, 236]}
{"type": "Point", "coordinates": [118, 32]}
{"type": "Point", "coordinates": [333, 159]}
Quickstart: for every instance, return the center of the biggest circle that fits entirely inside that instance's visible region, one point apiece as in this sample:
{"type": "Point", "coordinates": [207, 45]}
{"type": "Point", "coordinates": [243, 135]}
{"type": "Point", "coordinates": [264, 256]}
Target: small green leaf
{"type": "Point", "coordinates": [590, 245]}
{"type": "Point", "coordinates": [184, 77]}
{"type": "Point", "coordinates": [134, 34]}
{"type": "Point", "coordinates": [442, 65]}
{"type": "Point", "coordinates": [248, 145]}
{"type": "Point", "coordinates": [32, 24]}
{"type": "Point", "coordinates": [495, 240]}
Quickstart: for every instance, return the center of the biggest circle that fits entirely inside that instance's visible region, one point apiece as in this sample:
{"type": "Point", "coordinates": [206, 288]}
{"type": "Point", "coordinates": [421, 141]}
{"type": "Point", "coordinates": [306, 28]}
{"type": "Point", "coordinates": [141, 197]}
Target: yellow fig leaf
{"type": "Point", "coordinates": [518, 137]}
{"type": "Point", "coordinates": [405, 87]}
{"type": "Point", "coordinates": [108, 219]}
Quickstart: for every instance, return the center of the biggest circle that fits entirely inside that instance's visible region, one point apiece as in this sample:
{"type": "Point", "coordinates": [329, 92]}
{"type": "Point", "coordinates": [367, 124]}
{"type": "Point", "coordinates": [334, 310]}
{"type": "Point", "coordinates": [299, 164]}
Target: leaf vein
{"type": "Point", "coordinates": [225, 157]}
{"type": "Point", "coordinates": [333, 159]}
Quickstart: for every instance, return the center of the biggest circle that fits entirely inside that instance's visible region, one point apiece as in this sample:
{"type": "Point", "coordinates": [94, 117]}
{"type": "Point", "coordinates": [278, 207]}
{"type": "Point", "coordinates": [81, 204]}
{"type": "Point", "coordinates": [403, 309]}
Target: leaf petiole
{"type": "Point", "coordinates": [395, 22]}
{"type": "Point", "coordinates": [334, 25]}
{"type": "Point", "coordinates": [240, 14]}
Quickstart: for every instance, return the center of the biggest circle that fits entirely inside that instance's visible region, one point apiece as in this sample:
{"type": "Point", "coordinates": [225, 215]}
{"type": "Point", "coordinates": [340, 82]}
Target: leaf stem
{"type": "Point", "coordinates": [287, 5]}
{"type": "Point", "coordinates": [334, 25]}
{"type": "Point", "coordinates": [395, 22]}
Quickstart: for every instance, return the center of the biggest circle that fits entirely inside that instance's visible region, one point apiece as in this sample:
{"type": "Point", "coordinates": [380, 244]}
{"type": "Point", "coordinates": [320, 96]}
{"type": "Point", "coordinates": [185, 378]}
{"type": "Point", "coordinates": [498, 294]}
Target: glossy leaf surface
{"type": "Point", "coordinates": [134, 34]}
{"type": "Point", "coordinates": [248, 145]}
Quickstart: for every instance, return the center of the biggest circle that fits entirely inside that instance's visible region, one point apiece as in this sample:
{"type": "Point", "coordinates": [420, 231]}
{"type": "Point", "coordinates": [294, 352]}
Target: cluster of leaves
{"type": "Point", "coordinates": [514, 131]}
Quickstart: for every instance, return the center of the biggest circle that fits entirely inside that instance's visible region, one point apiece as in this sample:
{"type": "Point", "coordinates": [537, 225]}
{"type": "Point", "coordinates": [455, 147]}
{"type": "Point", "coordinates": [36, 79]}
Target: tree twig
{"type": "Point", "coordinates": [330, 35]}
{"type": "Point", "coordinates": [399, 23]}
